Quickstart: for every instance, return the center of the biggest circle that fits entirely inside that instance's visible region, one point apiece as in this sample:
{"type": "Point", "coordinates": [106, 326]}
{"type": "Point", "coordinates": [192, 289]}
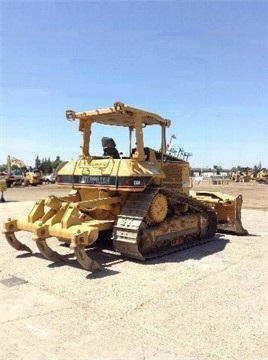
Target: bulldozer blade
{"type": "Point", "coordinates": [230, 222]}
{"type": "Point", "coordinates": [47, 252]}
{"type": "Point", "coordinates": [228, 209]}
{"type": "Point", "coordinates": [85, 260]}
{"type": "Point", "coordinates": [236, 229]}
{"type": "Point", "coordinates": [16, 244]}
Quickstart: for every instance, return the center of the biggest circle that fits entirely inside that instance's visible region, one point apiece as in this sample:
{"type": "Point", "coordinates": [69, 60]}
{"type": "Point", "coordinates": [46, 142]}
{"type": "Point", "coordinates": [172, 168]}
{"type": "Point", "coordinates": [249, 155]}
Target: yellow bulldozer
{"type": "Point", "coordinates": [142, 199]}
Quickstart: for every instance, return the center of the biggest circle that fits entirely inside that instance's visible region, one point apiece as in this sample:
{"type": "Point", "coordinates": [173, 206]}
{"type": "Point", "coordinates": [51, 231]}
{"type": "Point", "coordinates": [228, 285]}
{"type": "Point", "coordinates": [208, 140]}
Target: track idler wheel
{"type": "Point", "coordinates": [16, 244]}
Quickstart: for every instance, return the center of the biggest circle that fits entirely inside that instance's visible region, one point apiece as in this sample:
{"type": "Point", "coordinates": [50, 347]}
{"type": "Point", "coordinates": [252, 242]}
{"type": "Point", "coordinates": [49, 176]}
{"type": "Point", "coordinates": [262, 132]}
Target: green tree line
{"type": "Point", "coordinates": [46, 165]}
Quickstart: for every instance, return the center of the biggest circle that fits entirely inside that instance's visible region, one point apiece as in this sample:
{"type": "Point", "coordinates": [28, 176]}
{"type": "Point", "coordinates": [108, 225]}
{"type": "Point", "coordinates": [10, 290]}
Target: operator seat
{"type": "Point", "coordinates": [109, 148]}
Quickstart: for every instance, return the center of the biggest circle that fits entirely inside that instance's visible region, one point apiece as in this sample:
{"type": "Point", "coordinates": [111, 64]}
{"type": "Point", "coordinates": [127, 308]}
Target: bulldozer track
{"type": "Point", "coordinates": [179, 248]}
{"type": "Point", "coordinates": [131, 223]}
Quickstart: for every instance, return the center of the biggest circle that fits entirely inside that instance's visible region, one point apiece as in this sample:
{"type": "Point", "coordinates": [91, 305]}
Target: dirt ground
{"type": "Point", "coordinates": [255, 196]}
{"type": "Point", "coordinates": [205, 303]}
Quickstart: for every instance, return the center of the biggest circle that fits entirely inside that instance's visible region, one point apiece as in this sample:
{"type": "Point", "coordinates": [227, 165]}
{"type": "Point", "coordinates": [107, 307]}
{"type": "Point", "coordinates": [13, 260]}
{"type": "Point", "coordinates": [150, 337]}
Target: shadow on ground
{"type": "Point", "coordinates": [103, 253]}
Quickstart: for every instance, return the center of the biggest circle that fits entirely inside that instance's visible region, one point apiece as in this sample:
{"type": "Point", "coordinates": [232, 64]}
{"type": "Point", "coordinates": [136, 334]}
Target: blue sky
{"type": "Point", "coordinates": [201, 64]}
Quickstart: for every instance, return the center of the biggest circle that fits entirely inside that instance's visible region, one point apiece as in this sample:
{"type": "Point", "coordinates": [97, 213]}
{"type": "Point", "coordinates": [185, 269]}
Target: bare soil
{"type": "Point", "coordinates": [255, 196]}
{"type": "Point", "coordinates": [208, 302]}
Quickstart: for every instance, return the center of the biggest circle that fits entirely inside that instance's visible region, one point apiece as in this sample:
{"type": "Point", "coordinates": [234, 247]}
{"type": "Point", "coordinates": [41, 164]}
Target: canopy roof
{"type": "Point", "coordinates": [119, 115]}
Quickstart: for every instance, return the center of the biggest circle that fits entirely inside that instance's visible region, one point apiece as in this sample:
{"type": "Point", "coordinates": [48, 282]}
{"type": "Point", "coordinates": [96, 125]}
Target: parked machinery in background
{"type": "Point", "coordinates": [22, 175]}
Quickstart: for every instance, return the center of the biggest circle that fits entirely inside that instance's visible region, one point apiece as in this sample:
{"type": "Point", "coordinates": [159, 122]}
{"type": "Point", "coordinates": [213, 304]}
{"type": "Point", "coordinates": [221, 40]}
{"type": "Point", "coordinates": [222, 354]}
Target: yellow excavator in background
{"type": "Point", "coordinates": [142, 199]}
{"type": "Point", "coordinates": [14, 177]}
{"type": "Point", "coordinates": [23, 175]}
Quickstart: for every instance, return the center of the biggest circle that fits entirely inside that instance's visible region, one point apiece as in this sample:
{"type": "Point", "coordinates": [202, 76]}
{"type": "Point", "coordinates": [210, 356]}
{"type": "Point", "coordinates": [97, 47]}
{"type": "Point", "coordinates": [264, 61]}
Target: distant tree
{"type": "Point", "coordinates": [217, 169]}
{"type": "Point", "coordinates": [259, 166]}
{"type": "Point", "coordinates": [56, 163]}
{"type": "Point", "coordinates": [3, 167]}
{"type": "Point", "coordinates": [46, 166]}
{"type": "Point", "coordinates": [37, 162]}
